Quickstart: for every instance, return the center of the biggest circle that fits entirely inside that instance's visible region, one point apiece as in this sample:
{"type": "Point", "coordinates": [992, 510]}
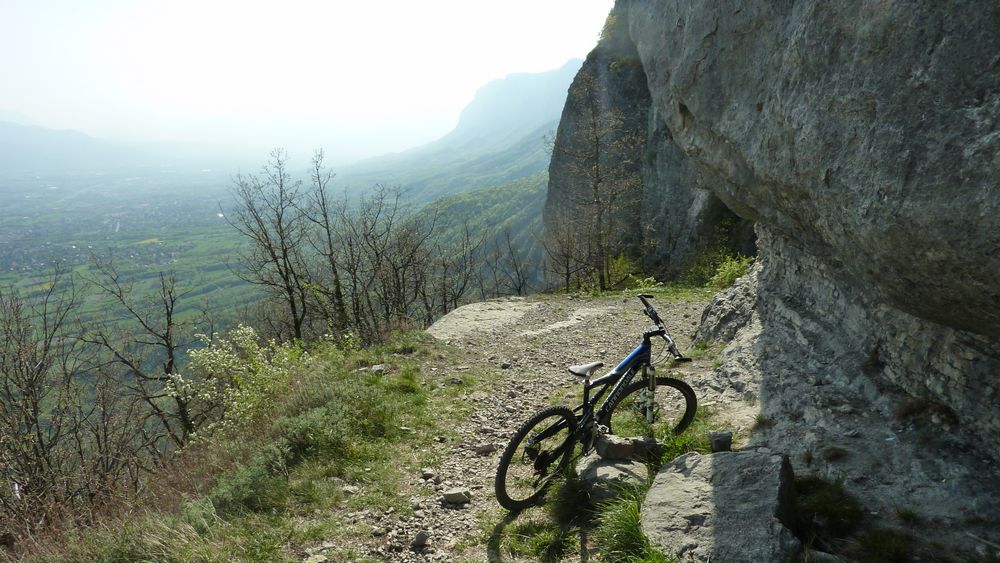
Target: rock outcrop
{"type": "Point", "coordinates": [865, 143]}
{"type": "Point", "coordinates": [863, 140]}
{"type": "Point", "coordinates": [612, 149]}
{"type": "Point", "coordinates": [728, 506]}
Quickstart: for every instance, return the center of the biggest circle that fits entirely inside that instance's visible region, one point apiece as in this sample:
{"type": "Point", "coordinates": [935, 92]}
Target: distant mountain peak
{"type": "Point", "coordinates": [516, 103]}
{"type": "Point", "coordinates": [499, 138]}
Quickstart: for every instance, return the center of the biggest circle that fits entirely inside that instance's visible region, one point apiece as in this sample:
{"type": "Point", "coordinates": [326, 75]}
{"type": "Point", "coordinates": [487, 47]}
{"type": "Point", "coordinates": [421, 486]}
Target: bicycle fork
{"type": "Point", "coordinates": [649, 372]}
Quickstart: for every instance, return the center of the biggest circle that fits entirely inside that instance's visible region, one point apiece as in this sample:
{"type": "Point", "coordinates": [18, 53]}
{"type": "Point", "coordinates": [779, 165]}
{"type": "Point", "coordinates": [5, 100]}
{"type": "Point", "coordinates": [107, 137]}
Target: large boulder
{"type": "Point", "coordinates": [863, 140]}
{"type": "Point", "coordinates": [727, 506]}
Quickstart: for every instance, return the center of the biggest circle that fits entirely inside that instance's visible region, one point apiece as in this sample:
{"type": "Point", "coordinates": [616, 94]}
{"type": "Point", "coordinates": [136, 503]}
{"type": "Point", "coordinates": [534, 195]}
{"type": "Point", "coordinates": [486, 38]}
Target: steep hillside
{"type": "Point", "coordinates": [514, 208]}
{"type": "Point", "coordinates": [500, 137]}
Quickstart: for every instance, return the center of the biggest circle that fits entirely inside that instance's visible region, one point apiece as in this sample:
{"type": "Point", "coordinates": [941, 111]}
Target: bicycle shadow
{"type": "Point", "coordinates": [494, 553]}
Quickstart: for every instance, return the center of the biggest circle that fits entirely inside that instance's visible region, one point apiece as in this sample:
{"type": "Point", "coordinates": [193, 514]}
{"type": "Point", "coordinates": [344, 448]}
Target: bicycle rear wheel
{"type": "Point", "coordinates": [539, 450]}
{"type": "Point", "coordinates": [674, 405]}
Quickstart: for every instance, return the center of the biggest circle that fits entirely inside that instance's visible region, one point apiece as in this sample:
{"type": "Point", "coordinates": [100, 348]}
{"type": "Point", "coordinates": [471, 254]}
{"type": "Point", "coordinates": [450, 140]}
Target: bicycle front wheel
{"type": "Point", "coordinates": [539, 450]}
{"type": "Point", "coordinates": [673, 407]}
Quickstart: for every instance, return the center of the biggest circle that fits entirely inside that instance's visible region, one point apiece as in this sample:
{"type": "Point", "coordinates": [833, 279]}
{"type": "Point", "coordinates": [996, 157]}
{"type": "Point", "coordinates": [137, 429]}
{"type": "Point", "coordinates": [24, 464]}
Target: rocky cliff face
{"type": "Point", "coordinates": [865, 142]}
{"type": "Point", "coordinates": [611, 140]}
{"type": "Point", "coordinates": [863, 139]}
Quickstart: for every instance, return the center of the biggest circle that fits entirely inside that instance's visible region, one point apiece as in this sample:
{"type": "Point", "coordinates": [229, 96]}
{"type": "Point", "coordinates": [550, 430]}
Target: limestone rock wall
{"type": "Point", "coordinates": [864, 140]}
{"type": "Point", "coordinates": [661, 217]}
{"type": "Point", "coordinates": [866, 131]}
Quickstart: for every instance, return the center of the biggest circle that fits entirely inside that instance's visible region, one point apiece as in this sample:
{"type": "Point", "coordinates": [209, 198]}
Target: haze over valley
{"type": "Point", "coordinates": [156, 198]}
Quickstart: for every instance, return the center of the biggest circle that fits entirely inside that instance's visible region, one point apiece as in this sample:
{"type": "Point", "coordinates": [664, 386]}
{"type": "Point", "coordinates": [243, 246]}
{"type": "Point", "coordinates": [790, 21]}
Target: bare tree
{"type": "Point", "coordinates": [565, 256]}
{"type": "Point", "coordinates": [603, 158]}
{"type": "Point", "coordinates": [454, 268]}
{"type": "Point", "coordinates": [147, 342]}
{"type": "Point", "coordinates": [507, 267]}
{"type": "Point", "coordinates": [270, 212]}
{"type": "Point", "coordinates": [36, 399]}
{"type": "Point", "coordinates": [322, 212]}
{"type": "Point", "coordinates": [70, 440]}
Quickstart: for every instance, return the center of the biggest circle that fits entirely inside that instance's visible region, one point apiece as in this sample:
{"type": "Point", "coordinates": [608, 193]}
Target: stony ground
{"type": "Point", "coordinates": [523, 346]}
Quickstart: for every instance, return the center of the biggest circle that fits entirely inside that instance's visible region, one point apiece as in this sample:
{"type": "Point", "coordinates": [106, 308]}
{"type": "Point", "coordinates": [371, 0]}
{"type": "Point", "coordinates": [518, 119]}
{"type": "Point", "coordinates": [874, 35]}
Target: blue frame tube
{"type": "Point", "coordinates": [637, 354]}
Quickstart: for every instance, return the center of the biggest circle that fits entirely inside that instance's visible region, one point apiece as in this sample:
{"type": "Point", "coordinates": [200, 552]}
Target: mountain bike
{"type": "Point", "coordinates": [653, 405]}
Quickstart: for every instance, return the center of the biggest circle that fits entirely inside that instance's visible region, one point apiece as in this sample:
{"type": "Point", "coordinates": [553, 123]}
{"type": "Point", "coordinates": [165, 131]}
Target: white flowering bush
{"type": "Point", "coordinates": [237, 376]}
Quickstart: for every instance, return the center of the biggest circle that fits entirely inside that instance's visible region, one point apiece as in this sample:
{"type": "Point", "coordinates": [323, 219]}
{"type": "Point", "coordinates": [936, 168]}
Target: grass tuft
{"type": "Point", "coordinates": [619, 532]}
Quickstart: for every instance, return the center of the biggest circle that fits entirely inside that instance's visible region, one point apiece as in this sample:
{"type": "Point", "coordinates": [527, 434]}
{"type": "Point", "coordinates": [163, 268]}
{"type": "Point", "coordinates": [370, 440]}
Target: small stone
{"type": "Point", "coordinates": [378, 532]}
{"type": "Point", "coordinates": [721, 441]}
{"type": "Point", "coordinates": [504, 365]}
{"type": "Point", "coordinates": [420, 540]}
{"type": "Point", "coordinates": [315, 558]}
{"type": "Point", "coordinates": [350, 490]}
{"type": "Point", "coordinates": [379, 368]}
{"type": "Point", "coordinates": [484, 449]}
{"type": "Point", "coordinates": [427, 473]}
{"type": "Point", "coordinates": [457, 496]}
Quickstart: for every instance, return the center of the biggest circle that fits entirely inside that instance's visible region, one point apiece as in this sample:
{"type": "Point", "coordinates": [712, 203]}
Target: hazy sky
{"type": "Point", "coordinates": [358, 77]}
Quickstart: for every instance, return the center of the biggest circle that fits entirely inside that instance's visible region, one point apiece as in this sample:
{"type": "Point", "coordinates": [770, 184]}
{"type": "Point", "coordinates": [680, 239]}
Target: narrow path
{"type": "Point", "coordinates": [525, 345]}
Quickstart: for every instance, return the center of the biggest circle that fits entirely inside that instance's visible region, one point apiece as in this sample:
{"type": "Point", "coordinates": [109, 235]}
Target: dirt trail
{"type": "Point", "coordinates": [526, 344]}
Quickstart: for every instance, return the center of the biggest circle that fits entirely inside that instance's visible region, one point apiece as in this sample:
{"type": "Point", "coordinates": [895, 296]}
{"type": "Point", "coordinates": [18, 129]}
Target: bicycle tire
{"type": "Point", "coordinates": [515, 472]}
{"type": "Point", "coordinates": [676, 406]}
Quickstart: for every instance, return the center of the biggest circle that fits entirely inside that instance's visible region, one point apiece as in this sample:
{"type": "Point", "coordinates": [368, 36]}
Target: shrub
{"type": "Point", "coordinates": [318, 432]}
{"type": "Point", "coordinates": [251, 488]}
{"type": "Point", "coordinates": [236, 378]}
{"type": "Point", "coordinates": [729, 269]}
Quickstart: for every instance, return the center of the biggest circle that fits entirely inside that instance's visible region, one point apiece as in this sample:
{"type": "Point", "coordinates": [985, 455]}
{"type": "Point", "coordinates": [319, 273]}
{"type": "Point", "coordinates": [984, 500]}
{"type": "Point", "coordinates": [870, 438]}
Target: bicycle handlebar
{"type": "Point", "coordinates": [661, 330]}
{"type": "Point", "coordinates": [650, 311]}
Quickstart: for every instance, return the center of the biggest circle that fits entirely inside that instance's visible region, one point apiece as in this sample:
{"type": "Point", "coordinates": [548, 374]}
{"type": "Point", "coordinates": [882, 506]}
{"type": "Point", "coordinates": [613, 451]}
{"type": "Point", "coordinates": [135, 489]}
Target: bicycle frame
{"type": "Point", "coordinates": [620, 377]}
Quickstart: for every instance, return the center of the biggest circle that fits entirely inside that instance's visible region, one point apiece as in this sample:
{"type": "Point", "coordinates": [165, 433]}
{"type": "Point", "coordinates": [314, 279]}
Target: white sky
{"type": "Point", "coordinates": [358, 77]}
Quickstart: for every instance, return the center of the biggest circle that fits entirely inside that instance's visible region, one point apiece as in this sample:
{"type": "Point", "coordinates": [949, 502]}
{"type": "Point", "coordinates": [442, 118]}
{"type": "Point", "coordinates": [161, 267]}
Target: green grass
{"type": "Point", "coordinates": [619, 534]}
{"type": "Point", "coordinates": [705, 349]}
{"type": "Point", "coordinates": [568, 514]}
{"type": "Point", "coordinates": [335, 426]}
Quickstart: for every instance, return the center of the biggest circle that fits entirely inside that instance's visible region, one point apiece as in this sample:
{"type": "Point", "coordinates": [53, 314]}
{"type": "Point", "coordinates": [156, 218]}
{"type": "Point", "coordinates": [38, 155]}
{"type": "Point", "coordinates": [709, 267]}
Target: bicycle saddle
{"type": "Point", "coordinates": [584, 370]}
